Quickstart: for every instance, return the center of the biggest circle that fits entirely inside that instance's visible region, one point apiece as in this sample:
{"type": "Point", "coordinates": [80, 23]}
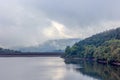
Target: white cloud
{"type": "Point", "coordinates": [31, 22]}
{"type": "Point", "coordinates": [56, 30]}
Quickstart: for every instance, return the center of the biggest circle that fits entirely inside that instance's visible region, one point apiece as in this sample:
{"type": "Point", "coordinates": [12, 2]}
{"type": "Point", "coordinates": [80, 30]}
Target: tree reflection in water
{"type": "Point", "coordinates": [96, 70]}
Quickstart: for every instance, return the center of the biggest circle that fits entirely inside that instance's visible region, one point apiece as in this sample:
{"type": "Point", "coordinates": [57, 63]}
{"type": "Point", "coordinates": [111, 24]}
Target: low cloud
{"type": "Point", "coordinates": [31, 22]}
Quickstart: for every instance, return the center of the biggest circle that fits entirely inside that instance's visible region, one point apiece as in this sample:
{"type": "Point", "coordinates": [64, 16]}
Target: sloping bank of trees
{"type": "Point", "coordinates": [104, 46]}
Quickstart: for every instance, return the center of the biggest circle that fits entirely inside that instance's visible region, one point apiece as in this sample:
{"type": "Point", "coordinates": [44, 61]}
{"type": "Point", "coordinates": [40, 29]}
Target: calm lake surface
{"type": "Point", "coordinates": [54, 68]}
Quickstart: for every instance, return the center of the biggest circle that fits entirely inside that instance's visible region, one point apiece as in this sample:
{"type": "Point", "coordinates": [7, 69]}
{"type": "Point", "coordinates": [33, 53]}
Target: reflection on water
{"type": "Point", "coordinates": [98, 71]}
{"type": "Point", "coordinates": [54, 68]}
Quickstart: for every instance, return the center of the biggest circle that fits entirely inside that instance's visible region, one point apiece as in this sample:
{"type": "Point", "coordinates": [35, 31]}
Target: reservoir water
{"type": "Point", "coordinates": [54, 68]}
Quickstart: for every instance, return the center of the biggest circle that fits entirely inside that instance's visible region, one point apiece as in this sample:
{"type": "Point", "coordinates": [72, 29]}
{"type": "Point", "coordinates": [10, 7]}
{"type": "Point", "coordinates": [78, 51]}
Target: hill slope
{"type": "Point", "coordinates": [103, 46]}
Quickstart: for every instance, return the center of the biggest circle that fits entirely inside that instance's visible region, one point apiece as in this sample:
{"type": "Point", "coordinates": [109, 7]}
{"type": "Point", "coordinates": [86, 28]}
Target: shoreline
{"type": "Point", "coordinates": [29, 55]}
{"type": "Point", "coordinates": [32, 55]}
{"type": "Point", "coordinates": [94, 60]}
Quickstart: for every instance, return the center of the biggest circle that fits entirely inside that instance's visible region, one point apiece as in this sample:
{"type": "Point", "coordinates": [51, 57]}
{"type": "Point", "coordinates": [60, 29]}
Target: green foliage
{"type": "Point", "coordinates": [109, 51]}
{"type": "Point", "coordinates": [89, 51]}
{"type": "Point", "coordinates": [104, 46]}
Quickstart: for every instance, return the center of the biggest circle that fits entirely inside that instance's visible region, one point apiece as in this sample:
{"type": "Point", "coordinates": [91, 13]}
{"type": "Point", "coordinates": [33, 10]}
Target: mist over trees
{"type": "Point", "coordinates": [8, 51]}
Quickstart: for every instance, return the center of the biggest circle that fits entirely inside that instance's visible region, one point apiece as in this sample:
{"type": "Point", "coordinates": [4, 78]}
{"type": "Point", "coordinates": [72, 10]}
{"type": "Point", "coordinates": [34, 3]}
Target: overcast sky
{"type": "Point", "coordinates": [31, 22]}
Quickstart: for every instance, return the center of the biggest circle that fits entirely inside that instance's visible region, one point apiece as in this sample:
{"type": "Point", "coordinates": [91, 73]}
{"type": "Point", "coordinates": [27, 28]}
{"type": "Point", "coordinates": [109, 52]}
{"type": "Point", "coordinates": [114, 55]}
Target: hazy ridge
{"type": "Point", "coordinates": [57, 45]}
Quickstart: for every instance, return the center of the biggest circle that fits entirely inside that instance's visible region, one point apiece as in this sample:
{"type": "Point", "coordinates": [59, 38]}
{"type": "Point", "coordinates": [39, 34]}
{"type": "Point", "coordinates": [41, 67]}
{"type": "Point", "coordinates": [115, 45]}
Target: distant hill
{"type": "Point", "coordinates": [57, 45]}
{"type": "Point", "coordinates": [104, 46]}
{"type": "Point", "coordinates": [8, 51]}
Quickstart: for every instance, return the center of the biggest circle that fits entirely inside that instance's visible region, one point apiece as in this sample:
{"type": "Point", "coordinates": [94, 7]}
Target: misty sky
{"type": "Point", "coordinates": [31, 22]}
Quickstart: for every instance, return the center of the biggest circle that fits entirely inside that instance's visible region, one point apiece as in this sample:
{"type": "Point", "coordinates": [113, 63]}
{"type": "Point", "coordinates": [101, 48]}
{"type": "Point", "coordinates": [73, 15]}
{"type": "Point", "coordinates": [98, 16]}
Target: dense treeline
{"type": "Point", "coordinates": [103, 46]}
{"type": "Point", "coordinates": [8, 51]}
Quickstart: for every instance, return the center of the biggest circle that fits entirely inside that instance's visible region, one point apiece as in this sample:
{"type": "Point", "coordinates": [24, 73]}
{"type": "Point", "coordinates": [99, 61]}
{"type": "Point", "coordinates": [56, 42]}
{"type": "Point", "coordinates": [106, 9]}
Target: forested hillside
{"type": "Point", "coordinates": [103, 46]}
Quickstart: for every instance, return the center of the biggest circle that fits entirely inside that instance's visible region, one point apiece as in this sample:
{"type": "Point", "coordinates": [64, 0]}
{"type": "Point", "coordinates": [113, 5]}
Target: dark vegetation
{"type": "Point", "coordinates": [102, 47]}
{"type": "Point", "coordinates": [8, 51]}
{"type": "Point", "coordinates": [13, 53]}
